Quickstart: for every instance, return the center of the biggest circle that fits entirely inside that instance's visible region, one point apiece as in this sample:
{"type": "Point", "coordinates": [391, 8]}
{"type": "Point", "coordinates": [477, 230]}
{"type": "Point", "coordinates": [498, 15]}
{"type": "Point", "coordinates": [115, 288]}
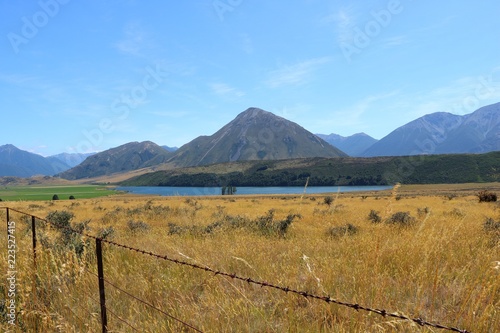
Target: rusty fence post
{"type": "Point", "coordinates": [102, 295]}
{"type": "Point", "coordinates": [33, 233]}
{"type": "Point", "coordinates": [7, 213]}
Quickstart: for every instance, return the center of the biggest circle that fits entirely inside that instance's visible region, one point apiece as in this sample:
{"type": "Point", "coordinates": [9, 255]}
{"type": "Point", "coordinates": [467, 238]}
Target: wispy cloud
{"type": "Point", "coordinates": [295, 74]}
{"type": "Point", "coordinates": [133, 41]}
{"type": "Point", "coordinates": [461, 96]}
{"type": "Point", "coordinates": [394, 41]}
{"type": "Point", "coordinates": [354, 115]}
{"type": "Point", "coordinates": [226, 90]}
{"type": "Point", "coordinates": [343, 20]}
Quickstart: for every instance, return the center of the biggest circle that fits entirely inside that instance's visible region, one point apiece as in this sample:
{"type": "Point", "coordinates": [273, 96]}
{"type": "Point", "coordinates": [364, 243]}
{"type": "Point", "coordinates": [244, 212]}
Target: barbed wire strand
{"type": "Point", "coordinates": [382, 312]}
{"type": "Point", "coordinates": [114, 314]}
{"type": "Point", "coordinates": [147, 304]}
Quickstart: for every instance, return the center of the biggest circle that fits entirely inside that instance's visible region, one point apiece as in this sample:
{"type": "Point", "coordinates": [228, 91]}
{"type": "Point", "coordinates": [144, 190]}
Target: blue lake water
{"type": "Point", "coordinates": [187, 191]}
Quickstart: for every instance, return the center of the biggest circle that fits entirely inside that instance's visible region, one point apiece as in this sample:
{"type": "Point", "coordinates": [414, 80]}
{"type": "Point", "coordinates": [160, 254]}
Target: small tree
{"type": "Point", "coordinates": [71, 197]}
{"type": "Point", "coordinates": [229, 190]}
{"type": "Point", "coordinates": [55, 197]}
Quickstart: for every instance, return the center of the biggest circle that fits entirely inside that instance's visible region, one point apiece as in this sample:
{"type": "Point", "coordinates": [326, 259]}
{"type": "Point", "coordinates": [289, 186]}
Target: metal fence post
{"type": "Point", "coordinates": [33, 232]}
{"type": "Point", "coordinates": [7, 213]}
{"type": "Point", "coordinates": [102, 296]}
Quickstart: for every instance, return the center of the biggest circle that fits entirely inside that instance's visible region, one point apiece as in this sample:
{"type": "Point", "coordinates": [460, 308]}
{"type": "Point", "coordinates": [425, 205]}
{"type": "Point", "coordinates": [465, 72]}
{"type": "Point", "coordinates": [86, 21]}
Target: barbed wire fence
{"type": "Point", "coordinates": [104, 309]}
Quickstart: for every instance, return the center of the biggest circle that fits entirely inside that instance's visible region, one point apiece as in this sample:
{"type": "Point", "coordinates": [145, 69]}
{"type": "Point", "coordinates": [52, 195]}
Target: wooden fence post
{"type": "Point", "coordinates": [102, 296]}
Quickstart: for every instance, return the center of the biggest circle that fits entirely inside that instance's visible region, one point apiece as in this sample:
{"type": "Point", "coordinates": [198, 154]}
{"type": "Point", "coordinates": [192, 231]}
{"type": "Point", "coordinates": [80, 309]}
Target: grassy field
{"type": "Point", "coordinates": [429, 255]}
{"type": "Point", "coordinates": [31, 193]}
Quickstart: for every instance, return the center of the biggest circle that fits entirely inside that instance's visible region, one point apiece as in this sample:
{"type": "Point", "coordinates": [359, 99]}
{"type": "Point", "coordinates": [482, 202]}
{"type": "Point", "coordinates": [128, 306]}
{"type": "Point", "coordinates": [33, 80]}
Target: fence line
{"type": "Point", "coordinates": [146, 303]}
{"type": "Point", "coordinates": [328, 299]}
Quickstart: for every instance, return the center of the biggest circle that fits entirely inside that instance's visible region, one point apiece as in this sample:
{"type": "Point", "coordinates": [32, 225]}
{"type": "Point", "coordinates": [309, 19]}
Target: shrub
{"type": "Point", "coordinates": [492, 228]}
{"type": "Point", "coordinates": [328, 200]}
{"type": "Point", "coordinates": [490, 225]}
{"type": "Point", "coordinates": [138, 226]}
{"type": "Point", "coordinates": [423, 211]}
{"type": "Point", "coordinates": [71, 197]}
{"type": "Point", "coordinates": [70, 235]}
{"type": "Point", "coordinates": [341, 231]}
{"type": "Point", "coordinates": [55, 197]}
{"type": "Point", "coordinates": [485, 196]}
{"type": "Point", "coordinates": [401, 218]}
{"type": "Point", "coordinates": [106, 233]}
{"type": "Point", "coordinates": [374, 217]}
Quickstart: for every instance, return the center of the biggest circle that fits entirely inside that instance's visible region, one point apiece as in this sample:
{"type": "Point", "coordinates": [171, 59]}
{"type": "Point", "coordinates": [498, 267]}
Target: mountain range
{"type": "Point", "coordinates": [443, 133]}
{"type": "Point", "coordinates": [256, 134]}
{"type": "Point", "coordinates": [353, 145]}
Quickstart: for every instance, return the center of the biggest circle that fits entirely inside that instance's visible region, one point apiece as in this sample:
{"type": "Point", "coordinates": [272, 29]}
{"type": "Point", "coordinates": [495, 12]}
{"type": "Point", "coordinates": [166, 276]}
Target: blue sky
{"type": "Point", "coordinates": [78, 76]}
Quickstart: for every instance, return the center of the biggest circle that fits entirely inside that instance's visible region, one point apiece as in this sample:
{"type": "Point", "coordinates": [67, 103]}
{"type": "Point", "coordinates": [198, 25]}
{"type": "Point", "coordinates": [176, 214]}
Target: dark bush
{"type": "Point", "coordinates": [328, 200]}
{"type": "Point", "coordinates": [55, 197]}
{"type": "Point", "coordinates": [71, 197]}
{"type": "Point", "coordinates": [341, 231]}
{"type": "Point", "coordinates": [401, 218]}
{"type": "Point", "coordinates": [485, 196]}
{"type": "Point", "coordinates": [374, 217]}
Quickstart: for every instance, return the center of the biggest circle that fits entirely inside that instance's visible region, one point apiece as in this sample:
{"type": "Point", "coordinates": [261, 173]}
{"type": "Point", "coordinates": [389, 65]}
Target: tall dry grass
{"type": "Point", "coordinates": [440, 268]}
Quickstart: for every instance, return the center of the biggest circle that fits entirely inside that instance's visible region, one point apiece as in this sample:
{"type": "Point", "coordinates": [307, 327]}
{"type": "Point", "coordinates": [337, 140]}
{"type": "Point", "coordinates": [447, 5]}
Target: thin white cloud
{"type": "Point", "coordinates": [223, 89]}
{"type": "Point", "coordinates": [461, 96]}
{"type": "Point", "coordinates": [295, 74]}
{"type": "Point", "coordinates": [394, 41]}
{"type": "Point", "coordinates": [353, 115]}
{"type": "Point", "coordinates": [133, 41]}
{"type": "Point", "coordinates": [344, 20]}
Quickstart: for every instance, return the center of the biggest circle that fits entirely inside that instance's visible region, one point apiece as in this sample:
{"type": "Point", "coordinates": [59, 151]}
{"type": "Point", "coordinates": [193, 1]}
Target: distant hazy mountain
{"type": "Point", "coordinates": [254, 134]}
{"type": "Point", "coordinates": [71, 159]}
{"type": "Point", "coordinates": [170, 149]}
{"type": "Point", "coordinates": [443, 133]}
{"type": "Point", "coordinates": [20, 163]}
{"type": "Point", "coordinates": [130, 156]}
{"type": "Point", "coordinates": [353, 145]}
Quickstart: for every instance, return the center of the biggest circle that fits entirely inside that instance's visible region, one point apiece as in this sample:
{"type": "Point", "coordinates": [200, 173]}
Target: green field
{"type": "Point", "coordinates": [15, 193]}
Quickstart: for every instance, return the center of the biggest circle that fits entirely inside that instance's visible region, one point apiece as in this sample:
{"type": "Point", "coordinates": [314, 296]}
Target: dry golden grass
{"type": "Point", "coordinates": [441, 268]}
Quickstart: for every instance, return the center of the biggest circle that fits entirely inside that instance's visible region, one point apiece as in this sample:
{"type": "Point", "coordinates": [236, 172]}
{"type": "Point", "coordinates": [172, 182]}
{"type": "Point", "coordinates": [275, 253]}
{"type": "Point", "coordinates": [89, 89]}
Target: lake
{"type": "Point", "coordinates": [188, 191]}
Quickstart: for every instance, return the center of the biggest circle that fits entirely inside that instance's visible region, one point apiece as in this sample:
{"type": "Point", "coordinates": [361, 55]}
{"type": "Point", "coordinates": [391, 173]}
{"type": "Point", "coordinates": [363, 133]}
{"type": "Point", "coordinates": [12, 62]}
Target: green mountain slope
{"type": "Point", "coordinates": [130, 156]}
{"type": "Point", "coordinates": [463, 168]}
